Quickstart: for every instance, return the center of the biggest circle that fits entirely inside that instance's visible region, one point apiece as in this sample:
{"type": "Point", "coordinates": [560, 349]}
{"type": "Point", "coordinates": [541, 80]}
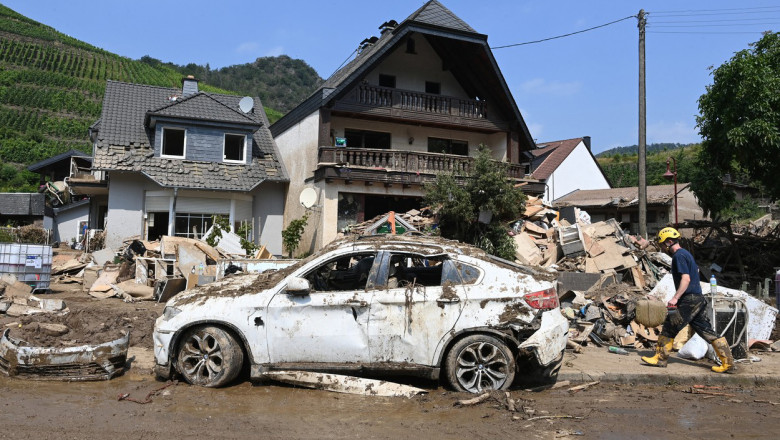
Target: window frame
{"type": "Point", "coordinates": [162, 143]}
{"type": "Point", "coordinates": [433, 85]}
{"type": "Point", "coordinates": [386, 77]}
{"type": "Point", "coordinates": [449, 146]}
{"type": "Point", "coordinates": [243, 149]}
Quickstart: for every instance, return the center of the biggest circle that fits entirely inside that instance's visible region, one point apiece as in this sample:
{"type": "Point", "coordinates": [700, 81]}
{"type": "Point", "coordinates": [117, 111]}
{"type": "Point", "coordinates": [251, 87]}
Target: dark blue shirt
{"type": "Point", "coordinates": [682, 262]}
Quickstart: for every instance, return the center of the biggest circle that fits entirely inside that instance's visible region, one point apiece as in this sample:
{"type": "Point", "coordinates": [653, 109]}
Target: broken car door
{"type": "Point", "coordinates": [421, 302]}
{"type": "Point", "coordinates": [329, 323]}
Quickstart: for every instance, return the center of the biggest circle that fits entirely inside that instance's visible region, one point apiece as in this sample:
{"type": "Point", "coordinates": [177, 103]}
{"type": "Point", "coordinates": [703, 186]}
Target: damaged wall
{"type": "Point", "coordinates": [125, 207]}
{"type": "Point", "coordinates": [268, 212]}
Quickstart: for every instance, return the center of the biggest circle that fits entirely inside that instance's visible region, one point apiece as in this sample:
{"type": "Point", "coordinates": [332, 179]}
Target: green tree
{"type": "Point", "coordinates": [486, 192]}
{"type": "Point", "coordinates": [291, 235]}
{"type": "Point", "coordinates": [740, 125]}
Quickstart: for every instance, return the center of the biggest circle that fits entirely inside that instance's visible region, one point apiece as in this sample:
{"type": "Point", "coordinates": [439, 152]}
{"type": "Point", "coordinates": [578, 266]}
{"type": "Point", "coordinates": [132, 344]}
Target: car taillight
{"type": "Point", "coordinates": [543, 300]}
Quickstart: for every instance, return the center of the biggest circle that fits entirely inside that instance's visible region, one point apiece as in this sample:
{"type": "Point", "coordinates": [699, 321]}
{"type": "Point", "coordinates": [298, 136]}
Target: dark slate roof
{"type": "Point", "coordinates": [125, 143]}
{"type": "Point", "coordinates": [434, 20]}
{"type": "Point", "coordinates": [23, 204]}
{"type": "Point", "coordinates": [435, 14]}
{"type": "Point", "coordinates": [206, 107]}
{"type": "Point", "coordinates": [52, 160]}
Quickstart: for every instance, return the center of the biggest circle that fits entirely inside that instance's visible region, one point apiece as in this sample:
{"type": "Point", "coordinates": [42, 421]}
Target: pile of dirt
{"type": "Point", "coordinates": [85, 327]}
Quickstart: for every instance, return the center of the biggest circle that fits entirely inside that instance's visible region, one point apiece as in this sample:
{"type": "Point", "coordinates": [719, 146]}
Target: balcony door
{"type": "Point", "coordinates": [367, 139]}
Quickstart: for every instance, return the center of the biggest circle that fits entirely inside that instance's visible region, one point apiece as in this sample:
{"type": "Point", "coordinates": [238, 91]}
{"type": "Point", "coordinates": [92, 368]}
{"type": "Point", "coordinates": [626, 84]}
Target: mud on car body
{"type": "Point", "coordinates": [382, 304]}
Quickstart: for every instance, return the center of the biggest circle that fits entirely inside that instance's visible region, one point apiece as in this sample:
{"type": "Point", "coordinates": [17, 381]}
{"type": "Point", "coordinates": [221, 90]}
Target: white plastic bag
{"type": "Point", "coordinates": [695, 348]}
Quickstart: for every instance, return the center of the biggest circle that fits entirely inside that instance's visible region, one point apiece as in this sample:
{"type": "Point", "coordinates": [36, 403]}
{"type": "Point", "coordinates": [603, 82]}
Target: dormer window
{"type": "Point", "coordinates": [234, 147]}
{"type": "Point", "coordinates": [173, 141]}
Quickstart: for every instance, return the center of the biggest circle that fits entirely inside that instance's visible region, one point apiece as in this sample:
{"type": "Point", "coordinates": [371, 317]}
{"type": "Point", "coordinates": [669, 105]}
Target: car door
{"type": "Point", "coordinates": [418, 299]}
{"type": "Point", "coordinates": [330, 323]}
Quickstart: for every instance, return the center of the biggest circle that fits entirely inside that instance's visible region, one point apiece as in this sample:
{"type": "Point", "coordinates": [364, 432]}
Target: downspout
{"type": "Point", "coordinates": [172, 213]}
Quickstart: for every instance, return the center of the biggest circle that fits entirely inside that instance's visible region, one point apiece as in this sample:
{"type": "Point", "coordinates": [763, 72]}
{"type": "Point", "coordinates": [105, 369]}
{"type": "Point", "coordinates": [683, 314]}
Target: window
{"type": "Point", "coordinates": [367, 139]}
{"type": "Point", "coordinates": [410, 46]}
{"type": "Point", "coordinates": [651, 216]}
{"type": "Point", "coordinates": [387, 81]}
{"type": "Point", "coordinates": [448, 146]}
{"type": "Point", "coordinates": [433, 88]}
{"type": "Point", "coordinates": [173, 142]}
{"type": "Point", "coordinates": [349, 272]}
{"type": "Point", "coordinates": [190, 225]}
{"type": "Point", "coordinates": [234, 147]}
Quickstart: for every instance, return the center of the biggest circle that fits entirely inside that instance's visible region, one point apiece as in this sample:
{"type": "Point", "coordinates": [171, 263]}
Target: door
{"type": "Point", "coordinates": [422, 302]}
{"type": "Point", "coordinates": [330, 324]}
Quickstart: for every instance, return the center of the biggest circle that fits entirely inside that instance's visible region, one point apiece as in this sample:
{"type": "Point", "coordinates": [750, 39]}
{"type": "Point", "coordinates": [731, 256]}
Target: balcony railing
{"type": "Point", "coordinates": [405, 161]}
{"type": "Point", "coordinates": [384, 97]}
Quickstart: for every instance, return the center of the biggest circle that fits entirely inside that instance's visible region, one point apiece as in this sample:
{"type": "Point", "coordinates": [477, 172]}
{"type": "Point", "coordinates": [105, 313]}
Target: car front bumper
{"type": "Point", "coordinates": [549, 341]}
{"type": "Point", "coordinates": [162, 354]}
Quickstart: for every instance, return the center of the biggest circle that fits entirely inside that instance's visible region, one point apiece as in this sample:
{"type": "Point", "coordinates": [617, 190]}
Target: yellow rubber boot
{"type": "Point", "coordinates": [721, 346]}
{"type": "Point", "coordinates": [662, 352]}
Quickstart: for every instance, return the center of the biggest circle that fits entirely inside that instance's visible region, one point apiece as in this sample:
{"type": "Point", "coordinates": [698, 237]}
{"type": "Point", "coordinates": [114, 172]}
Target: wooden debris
{"type": "Point", "coordinates": [583, 386]}
{"type": "Point", "coordinates": [479, 399]}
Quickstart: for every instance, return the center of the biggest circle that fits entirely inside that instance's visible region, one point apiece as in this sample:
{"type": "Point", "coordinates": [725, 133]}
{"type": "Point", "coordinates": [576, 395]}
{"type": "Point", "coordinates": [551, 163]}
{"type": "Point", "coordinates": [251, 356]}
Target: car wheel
{"type": "Point", "coordinates": [209, 357]}
{"type": "Point", "coordinates": [480, 362]}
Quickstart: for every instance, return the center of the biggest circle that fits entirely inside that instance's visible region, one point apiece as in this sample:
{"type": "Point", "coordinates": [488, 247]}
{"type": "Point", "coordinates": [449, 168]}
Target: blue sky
{"type": "Point", "coordinates": [582, 85]}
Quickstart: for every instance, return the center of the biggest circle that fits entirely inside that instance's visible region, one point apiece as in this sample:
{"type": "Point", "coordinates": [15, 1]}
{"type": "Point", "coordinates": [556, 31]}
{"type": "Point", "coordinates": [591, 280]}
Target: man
{"type": "Point", "coordinates": [687, 306]}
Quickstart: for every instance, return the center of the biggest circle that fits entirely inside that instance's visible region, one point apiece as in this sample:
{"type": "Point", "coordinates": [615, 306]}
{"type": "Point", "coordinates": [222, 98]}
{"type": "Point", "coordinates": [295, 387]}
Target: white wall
{"type": "Point", "coordinates": [427, 66]}
{"type": "Point", "coordinates": [268, 211]}
{"type": "Point", "coordinates": [298, 149]}
{"type": "Point", "coordinates": [578, 171]}
{"type": "Point", "coordinates": [67, 223]}
{"type": "Point", "coordinates": [125, 207]}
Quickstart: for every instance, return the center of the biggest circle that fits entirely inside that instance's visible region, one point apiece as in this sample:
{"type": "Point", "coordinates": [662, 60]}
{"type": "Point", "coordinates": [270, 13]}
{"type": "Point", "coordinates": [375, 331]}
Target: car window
{"type": "Point", "coordinates": [469, 274]}
{"type": "Point", "coordinates": [406, 269]}
{"type": "Point", "coordinates": [348, 272]}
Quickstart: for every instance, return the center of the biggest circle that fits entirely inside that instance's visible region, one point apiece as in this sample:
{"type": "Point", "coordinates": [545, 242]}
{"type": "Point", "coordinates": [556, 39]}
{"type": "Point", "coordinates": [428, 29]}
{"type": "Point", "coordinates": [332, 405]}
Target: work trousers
{"type": "Point", "coordinates": [691, 309]}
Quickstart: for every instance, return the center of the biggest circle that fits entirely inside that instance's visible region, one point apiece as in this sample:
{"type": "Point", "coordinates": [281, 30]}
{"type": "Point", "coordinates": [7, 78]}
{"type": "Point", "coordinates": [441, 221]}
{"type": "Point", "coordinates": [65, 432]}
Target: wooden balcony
{"type": "Point", "coordinates": [388, 103]}
{"type": "Point", "coordinates": [396, 166]}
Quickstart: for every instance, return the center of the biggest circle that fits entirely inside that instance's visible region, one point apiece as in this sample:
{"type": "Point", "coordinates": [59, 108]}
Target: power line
{"type": "Point", "coordinates": [708, 25]}
{"type": "Point", "coordinates": [719, 21]}
{"type": "Point", "coordinates": [564, 35]}
{"type": "Point", "coordinates": [704, 32]}
{"type": "Point", "coordinates": [716, 10]}
{"type": "Point", "coordinates": [700, 14]}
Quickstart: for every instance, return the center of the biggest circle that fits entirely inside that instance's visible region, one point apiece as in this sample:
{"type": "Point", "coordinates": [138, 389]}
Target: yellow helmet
{"type": "Point", "coordinates": [667, 233]}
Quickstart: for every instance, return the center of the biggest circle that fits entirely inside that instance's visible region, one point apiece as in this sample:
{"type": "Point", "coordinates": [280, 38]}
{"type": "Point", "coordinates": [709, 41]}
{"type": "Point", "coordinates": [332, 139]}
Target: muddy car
{"type": "Point", "coordinates": [380, 305]}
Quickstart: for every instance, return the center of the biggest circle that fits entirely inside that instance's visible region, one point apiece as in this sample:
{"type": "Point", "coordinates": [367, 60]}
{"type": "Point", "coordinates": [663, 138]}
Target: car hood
{"type": "Point", "coordinates": [230, 287]}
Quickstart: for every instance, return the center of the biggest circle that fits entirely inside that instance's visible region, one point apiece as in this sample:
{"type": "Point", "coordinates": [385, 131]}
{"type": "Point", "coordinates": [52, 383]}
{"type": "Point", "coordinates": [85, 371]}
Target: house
{"type": "Point", "coordinates": [19, 209]}
{"type": "Point", "coordinates": [622, 204]}
{"type": "Point", "coordinates": [165, 160]}
{"type": "Point", "coordinates": [565, 166]}
{"type": "Point", "coordinates": [417, 100]}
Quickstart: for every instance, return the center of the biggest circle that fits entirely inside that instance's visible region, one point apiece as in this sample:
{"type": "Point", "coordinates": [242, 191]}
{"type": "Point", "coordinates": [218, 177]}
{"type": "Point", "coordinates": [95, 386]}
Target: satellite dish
{"type": "Point", "coordinates": [246, 104]}
{"type": "Point", "coordinates": [308, 197]}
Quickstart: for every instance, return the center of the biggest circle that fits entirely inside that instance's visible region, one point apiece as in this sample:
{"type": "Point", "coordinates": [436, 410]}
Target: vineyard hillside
{"type": "Point", "coordinates": [51, 91]}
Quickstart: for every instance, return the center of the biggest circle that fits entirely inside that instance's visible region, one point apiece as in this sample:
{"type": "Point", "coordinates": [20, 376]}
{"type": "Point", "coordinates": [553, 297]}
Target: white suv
{"type": "Point", "coordinates": [374, 305]}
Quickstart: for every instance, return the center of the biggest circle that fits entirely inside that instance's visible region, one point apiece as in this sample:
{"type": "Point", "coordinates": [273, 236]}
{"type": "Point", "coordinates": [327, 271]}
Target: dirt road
{"type": "Point", "coordinates": [52, 410]}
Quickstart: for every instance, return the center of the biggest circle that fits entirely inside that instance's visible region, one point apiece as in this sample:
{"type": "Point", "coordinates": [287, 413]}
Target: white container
{"type": "Point", "coordinates": [30, 263]}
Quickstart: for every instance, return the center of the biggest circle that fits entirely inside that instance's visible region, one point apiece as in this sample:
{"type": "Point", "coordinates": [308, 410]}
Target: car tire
{"type": "Point", "coordinates": [478, 363]}
{"type": "Point", "coordinates": [209, 356]}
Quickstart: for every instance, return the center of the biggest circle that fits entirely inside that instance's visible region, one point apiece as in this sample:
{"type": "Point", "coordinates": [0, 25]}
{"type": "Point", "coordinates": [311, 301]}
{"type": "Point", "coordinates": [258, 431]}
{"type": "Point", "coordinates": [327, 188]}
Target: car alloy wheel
{"type": "Point", "coordinates": [209, 356]}
{"type": "Point", "coordinates": [480, 362]}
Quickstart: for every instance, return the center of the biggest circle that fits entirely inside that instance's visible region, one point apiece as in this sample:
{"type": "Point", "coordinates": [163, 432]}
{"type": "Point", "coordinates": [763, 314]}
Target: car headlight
{"type": "Point", "coordinates": [169, 312]}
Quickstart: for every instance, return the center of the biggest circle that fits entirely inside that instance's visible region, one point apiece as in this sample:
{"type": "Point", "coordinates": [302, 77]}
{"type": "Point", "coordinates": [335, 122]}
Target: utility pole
{"type": "Point", "coordinates": [642, 168]}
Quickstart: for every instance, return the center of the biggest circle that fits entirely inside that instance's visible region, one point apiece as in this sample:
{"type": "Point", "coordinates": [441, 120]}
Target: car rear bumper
{"type": "Point", "coordinates": [549, 341]}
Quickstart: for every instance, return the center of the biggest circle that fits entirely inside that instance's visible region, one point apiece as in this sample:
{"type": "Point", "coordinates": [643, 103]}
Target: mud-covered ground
{"type": "Point", "coordinates": [89, 320]}
{"type": "Point", "coordinates": [53, 410]}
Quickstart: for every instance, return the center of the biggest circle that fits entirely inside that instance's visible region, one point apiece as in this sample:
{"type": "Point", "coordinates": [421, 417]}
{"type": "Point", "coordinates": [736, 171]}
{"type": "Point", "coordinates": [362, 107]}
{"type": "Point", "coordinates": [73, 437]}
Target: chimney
{"type": "Point", "coordinates": [189, 86]}
{"type": "Point", "coordinates": [586, 141]}
{"type": "Point", "coordinates": [365, 44]}
{"type": "Point", "coordinates": [387, 26]}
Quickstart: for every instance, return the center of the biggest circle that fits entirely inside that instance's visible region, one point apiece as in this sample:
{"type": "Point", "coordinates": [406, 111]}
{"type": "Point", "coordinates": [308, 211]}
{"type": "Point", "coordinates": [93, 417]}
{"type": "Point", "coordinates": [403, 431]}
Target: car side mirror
{"type": "Point", "coordinates": [298, 286]}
